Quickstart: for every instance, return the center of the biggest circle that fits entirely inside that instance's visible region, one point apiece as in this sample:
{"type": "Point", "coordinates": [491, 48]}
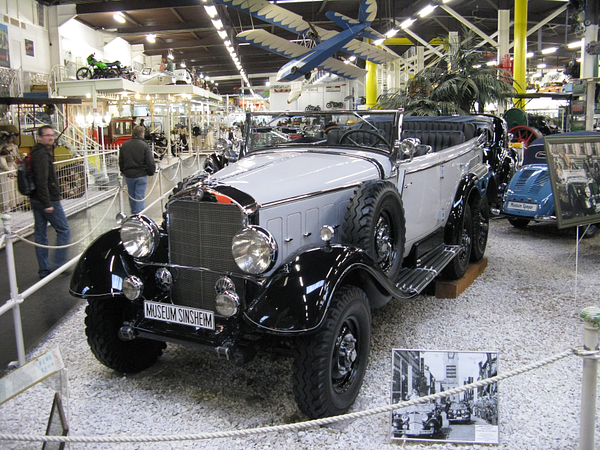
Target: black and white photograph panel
{"type": "Point", "coordinates": [470, 416]}
{"type": "Point", "coordinates": [574, 167]}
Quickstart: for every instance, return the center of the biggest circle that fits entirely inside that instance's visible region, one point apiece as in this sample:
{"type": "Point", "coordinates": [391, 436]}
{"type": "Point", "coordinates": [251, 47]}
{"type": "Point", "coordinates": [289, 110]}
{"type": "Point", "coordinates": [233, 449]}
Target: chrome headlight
{"type": "Point", "coordinates": [254, 250]}
{"type": "Point", "coordinates": [140, 236]}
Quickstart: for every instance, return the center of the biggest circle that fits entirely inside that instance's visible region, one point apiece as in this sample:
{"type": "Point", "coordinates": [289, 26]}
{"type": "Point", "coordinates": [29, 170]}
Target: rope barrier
{"type": "Point", "coordinates": [176, 171]}
{"type": "Point", "coordinates": [293, 426]}
{"type": "Point", "coordinates": [35, 244]}
{"type": "Point", "coordinates": [196, 156]}
{"type": "Point", "coordinates": [149, 192]}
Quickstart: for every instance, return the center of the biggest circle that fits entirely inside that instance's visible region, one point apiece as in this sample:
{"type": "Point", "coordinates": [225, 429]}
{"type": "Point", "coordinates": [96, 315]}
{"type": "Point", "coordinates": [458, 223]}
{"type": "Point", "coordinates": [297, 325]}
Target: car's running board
{"type": "Point", "coordinates": [412, 281]}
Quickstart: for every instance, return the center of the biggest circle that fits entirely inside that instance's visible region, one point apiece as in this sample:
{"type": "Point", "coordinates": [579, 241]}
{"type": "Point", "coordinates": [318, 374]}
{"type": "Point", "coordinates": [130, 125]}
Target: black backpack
{"type": "Point", "coordinates": [25, 177]}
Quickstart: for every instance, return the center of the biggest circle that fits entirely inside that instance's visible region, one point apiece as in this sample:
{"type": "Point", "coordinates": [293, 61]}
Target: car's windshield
{"type": "Point", "coordinates": [325, 129]}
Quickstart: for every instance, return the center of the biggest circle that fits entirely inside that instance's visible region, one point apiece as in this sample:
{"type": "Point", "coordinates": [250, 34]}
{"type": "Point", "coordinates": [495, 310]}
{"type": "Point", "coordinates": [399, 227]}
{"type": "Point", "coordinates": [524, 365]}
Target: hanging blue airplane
{"type": "Point", "coordinates": [305, 59]}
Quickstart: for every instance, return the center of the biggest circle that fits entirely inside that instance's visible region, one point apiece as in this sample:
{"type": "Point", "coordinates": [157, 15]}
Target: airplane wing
{"type": "Point", "coordinates": [272, 43]}
{"type": "Point", "coordinates": [283, 47]}
{"type": "Point", "coordinates": [283, 18]}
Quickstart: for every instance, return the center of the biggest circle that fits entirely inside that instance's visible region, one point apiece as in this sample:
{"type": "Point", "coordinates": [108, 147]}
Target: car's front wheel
{"type": "Point", "coordinates": [104, 318]}
{"type": "Point", "coordinates": [374, 222]}
{"type": "Point", "coordinates": [329, 366]}
{"type": "Point", "coordinates": [464, 238]}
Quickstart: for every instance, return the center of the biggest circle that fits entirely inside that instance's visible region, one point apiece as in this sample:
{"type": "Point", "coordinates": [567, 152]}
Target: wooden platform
{"type": "Point", "coordinates": [452, 289]}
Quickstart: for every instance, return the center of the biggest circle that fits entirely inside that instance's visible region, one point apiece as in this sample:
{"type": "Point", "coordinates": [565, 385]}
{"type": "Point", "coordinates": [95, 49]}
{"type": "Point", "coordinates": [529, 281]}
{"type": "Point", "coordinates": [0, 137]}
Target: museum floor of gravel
{"type": "Point", "coordinates": [525, 306]}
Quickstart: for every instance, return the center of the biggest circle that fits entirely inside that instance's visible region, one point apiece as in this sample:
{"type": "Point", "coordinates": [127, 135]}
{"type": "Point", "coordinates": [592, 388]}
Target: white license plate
{"type": "Point", "coordinates": [184, 315]}
{"type": "Point", "coordinates": [531, 207]}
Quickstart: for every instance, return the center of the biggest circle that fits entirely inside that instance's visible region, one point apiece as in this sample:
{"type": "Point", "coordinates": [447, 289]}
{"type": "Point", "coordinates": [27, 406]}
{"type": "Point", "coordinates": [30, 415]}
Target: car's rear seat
{"type": "Point", "coordinates": [439, 140]}
{"type": "Point", "coordinates": [426, 123]}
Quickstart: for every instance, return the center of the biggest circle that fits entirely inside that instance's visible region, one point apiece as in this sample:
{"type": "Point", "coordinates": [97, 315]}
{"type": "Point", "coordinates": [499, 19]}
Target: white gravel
{"type": "Point", "coordinates": [525, 306]}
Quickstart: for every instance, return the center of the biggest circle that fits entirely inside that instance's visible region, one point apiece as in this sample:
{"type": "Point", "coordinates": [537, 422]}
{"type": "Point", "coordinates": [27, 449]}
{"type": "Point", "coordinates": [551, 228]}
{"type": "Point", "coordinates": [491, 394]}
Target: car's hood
{"type": "Point", "coordinates": [531, 181]}
{"type": "Point", "coordinates": [278, 175]}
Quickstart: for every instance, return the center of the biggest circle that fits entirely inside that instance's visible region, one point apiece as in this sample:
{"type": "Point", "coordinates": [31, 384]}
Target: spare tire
{"type": "Point", "coordinates": [375, 223]}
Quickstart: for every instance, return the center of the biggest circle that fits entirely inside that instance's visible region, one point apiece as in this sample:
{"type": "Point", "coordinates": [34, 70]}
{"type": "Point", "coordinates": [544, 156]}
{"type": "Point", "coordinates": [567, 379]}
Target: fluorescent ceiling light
{"type": "Point", "coordinates": [211, 10]}
{"type": "Point", "coordinates": [391, 33]}
{"type": "Point", "coordinates": [118, 16]}
{"type": "Point", "coordinates": [427, 10]}
{"type": "Point", "coordinates": [227, 43]}
{"type": "Point", "coordinates": [407, 23]}
{"type": "Point", "coordinates": [529, 55]}
{"type": "Point", "coordinates": [575, 44]}
{"type": "Point", "coordinates": [541, 66]}
{"type": "Point", "coordinates": [549, 50]}
{"type": "Point", "coordinates": [151, 38]}
{"type": "Point", "coordinates": [491, 63]}
{"type": "Point", "coordinates": [218, 24]}
{"type": "Point", "coordinates": [378, 41]}
{"type": "Point", "coordinates": [222, 33]}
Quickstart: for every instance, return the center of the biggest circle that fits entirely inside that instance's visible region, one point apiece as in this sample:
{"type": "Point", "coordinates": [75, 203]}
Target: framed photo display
{"type": "Point", "coordinates": [470, 416]}
{"type": "Point", "coordinates": [574, 167]}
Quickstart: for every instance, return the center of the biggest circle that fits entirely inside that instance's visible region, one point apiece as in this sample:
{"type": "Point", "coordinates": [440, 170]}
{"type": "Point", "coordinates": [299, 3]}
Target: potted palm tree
{"type": "Point", "coordinates": [455, 84]}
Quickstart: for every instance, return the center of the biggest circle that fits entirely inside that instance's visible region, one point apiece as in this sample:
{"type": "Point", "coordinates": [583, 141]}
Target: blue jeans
{"type": "Point", "coordinates": [58, 220]}
{"type": "Point", "coordinates": [136, 188]}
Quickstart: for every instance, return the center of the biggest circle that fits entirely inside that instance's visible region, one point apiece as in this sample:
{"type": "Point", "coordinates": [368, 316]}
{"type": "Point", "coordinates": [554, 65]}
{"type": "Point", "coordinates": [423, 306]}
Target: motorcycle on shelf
{"type": "Point", "coordinates": [99, 69]}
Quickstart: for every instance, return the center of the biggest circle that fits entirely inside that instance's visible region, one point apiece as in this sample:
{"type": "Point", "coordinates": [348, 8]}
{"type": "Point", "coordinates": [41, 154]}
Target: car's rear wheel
{"type": "Point", "coordinates": [329, 366]}
{"type": "Point", "coordinates": [464, 238]}
{"type": "Point", "coordinates": [104, 318]}
{"type": "Point", "coordinates": [518, 223]}
{"type": "Point", "coordinates": [375, 223]}
{"type": "Point", "coordinates": [481, 228]}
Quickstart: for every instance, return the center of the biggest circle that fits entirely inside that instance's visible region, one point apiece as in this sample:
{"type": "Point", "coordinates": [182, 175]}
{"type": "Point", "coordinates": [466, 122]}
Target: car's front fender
{"type": "Point", "coordinates": [298, 295]}
{"type": "Point", "coordinates": [102, 267]}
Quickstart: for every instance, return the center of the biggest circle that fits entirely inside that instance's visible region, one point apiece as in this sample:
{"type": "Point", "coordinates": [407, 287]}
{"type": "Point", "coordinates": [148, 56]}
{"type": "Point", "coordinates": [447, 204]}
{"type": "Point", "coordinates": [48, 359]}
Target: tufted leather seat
{"type": "Point", "coordinates": [430, 123]}
{"type": "Point", "coordinates": [438, 140]}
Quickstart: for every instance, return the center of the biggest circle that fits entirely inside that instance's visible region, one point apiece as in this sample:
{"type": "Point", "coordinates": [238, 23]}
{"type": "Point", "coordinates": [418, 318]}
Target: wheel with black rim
{"type": "Point", "coordinates": [113, 73]}
{"type": "Point", "coordinates": [329, 366]}
{"type": "Point", "coordinates": [361, 138]}
{"type": "Point", "coordinates": [481, 228]}
{"type": "Point", "coordinates": [375, 223]}
{"type": "Point", "coordinates": [84, 73]}
{"type": "Point", "coordinates": [464, 238]}
{"type": "Point", "coordinates": [104, 318]}
{"type": "Point", "coordinates": [517, 222]}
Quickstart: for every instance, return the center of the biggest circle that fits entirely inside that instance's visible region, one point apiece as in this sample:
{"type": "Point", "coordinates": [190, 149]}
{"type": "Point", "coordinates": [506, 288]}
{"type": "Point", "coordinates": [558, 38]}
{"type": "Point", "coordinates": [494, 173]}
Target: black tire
{"type": "Point", "coordinates": [518, 223]}
{"type": "Point", "coordinates": [481, 228]}
{"type": "Point", "coordinates": [83, 73]}
{"type": "Point", "coordinates": [375, 223]}
{"type": "Point", "coordinates": [293, 70]}
{"type": "Point", "coordinates": [329, 105]}
{"type": "Point", "coordinates": [112, 73]}
{"type": "Point", "coordinates": [458, 266]}
{"type": "Point", "coordinates": [329, 366]}
{"type": "Point", "coordinates": [104, 318]}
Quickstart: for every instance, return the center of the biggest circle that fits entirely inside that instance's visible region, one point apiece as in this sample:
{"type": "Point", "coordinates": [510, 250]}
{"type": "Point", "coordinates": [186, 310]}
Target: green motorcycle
{"type": "Point", "coordinates": [99, 69]}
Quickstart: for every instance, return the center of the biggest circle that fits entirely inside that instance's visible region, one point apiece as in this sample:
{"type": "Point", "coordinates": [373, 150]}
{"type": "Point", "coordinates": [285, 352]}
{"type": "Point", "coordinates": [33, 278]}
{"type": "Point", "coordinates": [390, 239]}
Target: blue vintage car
{"type": "Point", "coordinates": [529, 194]}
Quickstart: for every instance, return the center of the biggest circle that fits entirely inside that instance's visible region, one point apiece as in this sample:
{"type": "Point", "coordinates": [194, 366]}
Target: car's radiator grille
{"type": "Point", "coordinates": [539, 182]}
{"type": "Point", "coordinates": [200, 235]}
{"type": "Point", "coordinates": [522, 180]}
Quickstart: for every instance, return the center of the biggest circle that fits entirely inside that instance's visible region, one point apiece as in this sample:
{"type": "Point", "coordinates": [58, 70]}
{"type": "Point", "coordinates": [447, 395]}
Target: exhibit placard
{"type": "Point", "coordinates": [29, 374]}
{"type": "Point", "coordinates": [470, 416]}
{"type": "Point", "coordinates": [574, 167]}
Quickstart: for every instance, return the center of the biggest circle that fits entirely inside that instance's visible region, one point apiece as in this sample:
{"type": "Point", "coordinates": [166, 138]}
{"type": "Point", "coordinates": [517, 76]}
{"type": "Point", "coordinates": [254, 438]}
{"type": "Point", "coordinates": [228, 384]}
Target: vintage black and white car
{"type": "Point", "coordinates": [289, 248]}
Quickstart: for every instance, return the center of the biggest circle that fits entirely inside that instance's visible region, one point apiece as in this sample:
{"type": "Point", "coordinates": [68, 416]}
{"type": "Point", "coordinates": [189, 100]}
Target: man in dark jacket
{"type": "Point", "coordinates": [136, 162]}
{"type": "Point", "coordinates": [45, 203]}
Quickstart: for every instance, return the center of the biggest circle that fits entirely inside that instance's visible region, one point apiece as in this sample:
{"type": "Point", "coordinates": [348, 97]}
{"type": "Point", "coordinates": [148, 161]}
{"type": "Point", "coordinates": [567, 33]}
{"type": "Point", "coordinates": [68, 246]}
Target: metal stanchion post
{"type": "Point", "coordinates": [589, 381]}
{"type": "Point", "coordinates": [160, 189]}
{"type": "Point", "coordinates": [14, 290]}
{"type": "Point", "coordinates": [121, 205]}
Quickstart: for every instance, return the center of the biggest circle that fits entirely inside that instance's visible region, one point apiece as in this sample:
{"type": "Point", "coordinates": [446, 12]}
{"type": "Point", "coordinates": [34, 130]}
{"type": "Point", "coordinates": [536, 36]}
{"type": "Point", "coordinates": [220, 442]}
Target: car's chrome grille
{"type": "Point", "coordinates": [200, 235]}
{"type": "Point", "coordinates": [539, 182]}
{"type": "Point", "coordinates": [522, 180]}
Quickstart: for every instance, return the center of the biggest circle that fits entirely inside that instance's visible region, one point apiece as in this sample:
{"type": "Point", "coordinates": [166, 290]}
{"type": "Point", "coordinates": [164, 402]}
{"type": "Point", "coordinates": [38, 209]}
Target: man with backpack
{"type": "Point", "coordinates": [45, 203]}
